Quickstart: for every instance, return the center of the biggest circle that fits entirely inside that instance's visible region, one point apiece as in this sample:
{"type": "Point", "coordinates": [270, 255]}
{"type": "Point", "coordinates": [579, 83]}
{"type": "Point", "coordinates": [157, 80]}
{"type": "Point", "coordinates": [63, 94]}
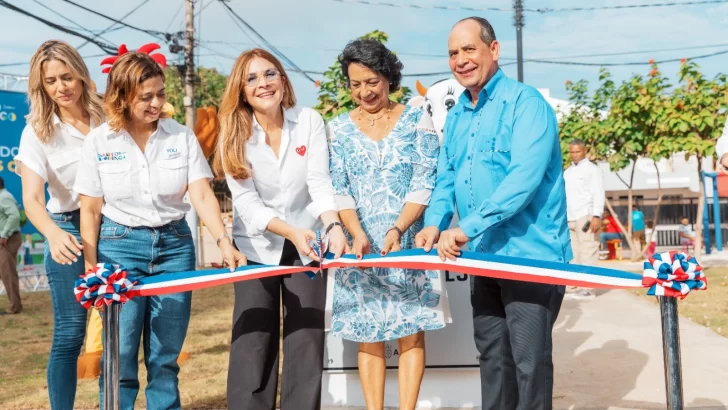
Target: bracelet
{"type": "Point", "coordinates": [394, 228]}
{"type": "Point", "coordinates": [331, 226]}
{"type": "Point", "coordinates": [223, 236]}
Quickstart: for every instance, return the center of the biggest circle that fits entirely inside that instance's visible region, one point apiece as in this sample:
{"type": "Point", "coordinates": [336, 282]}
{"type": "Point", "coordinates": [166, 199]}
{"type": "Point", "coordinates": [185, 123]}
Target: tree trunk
{"type": "Point", "coordinates": [635, 247]}
{"type": "Point", "coordinates": [657, 213]}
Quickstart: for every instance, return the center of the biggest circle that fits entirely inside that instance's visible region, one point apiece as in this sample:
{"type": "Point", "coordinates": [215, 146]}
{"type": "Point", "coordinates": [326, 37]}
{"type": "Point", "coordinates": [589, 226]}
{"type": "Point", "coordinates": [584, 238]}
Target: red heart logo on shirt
{"type": "Point", "coordinates": [301, 150]}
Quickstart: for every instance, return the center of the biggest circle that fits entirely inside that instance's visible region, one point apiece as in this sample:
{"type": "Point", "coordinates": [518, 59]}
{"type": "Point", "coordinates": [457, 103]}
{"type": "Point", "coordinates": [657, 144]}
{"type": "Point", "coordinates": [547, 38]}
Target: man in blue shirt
{"type": "Point", "coordinates": [500, 167]}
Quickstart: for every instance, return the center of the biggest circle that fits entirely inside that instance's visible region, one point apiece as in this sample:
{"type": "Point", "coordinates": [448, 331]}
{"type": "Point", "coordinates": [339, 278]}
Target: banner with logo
{"type": "Point", "coordinates": [13, 109]}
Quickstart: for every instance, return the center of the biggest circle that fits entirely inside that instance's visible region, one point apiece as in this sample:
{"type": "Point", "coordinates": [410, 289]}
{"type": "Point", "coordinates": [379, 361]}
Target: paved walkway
{"type": "Point", "coordinates": [608, 356]}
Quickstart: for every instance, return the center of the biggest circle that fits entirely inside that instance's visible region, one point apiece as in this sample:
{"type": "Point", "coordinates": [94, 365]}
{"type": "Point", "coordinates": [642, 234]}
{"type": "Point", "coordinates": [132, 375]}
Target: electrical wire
{"type": "Point", "coordinates": [109, 48]}
{"type": "Point", "coordinates": [537, 10]}
{"type": "Point", "coordinates": [270, 46]}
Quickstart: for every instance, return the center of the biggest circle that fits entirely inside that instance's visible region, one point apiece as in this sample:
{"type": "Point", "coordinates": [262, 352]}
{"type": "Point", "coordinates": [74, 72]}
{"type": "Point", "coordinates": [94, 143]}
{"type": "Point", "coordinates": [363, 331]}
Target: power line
{"type": "Point", "coordinates": [113, 26]}
{"type": "Point", "coordinates": [267, 43]}
{"type": "Point", "coordinates": [629, 6]}
{"type": "Point", "coordinates": [175, 16]}
{"type": "Point", "coordinates": [22, 63]}
{"type": "Point", "coordinates": [109, 48]}
{"type": "Point", "coordinates": [153, 33]}
{"type": "Point", "coordinates": [537, 10]}
{"type": "Point", "coordinates": [630, 63]}
{"type": "Point", "coordinates": [203, 8]}
{"type": "Point", "coordinates": [69, 20]}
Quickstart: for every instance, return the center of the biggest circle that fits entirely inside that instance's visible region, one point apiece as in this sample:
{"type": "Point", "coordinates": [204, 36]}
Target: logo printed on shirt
{"type": "Point", "coordinates": [172, 153]}
{"type": "Point", "coordinates": [111, 156]}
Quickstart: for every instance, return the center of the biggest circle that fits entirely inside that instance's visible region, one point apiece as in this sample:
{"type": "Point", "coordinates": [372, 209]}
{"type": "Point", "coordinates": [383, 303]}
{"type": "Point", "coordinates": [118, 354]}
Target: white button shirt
{"type": "Point", "coordinates": [141, 188]}
{"type": "Point", "coordinates": [295, 187]}
{"type": "Point", "coordinates": [56, 162]}
{"type": "Point", "coordinates": [584, 190]}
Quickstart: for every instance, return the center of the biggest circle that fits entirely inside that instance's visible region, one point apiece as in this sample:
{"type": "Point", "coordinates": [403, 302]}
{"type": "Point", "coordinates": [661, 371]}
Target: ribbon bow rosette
{"type": "Point", "coordinates": [103, 285]}
{"type": "Point", "coordinates": [673, 274]}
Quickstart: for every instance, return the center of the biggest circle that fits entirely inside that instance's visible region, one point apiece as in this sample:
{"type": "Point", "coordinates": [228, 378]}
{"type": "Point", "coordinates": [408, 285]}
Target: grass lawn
{"type": "Point", "coordinates": [709, 307]}
{"type": "Point", "coordinates": [25, 342]}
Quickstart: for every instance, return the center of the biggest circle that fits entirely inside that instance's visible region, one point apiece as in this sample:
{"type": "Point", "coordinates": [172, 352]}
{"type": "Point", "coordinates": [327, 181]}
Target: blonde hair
{"type": "Point", "coordinates": [42, 106]}
{"type": "Point", "coordinates": [236, 115]}
{"type": "Point", "coordinates": [125, 78]}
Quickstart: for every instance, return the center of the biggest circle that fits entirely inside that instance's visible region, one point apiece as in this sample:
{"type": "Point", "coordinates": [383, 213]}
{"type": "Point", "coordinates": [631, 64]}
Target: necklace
{"type": "Point", "coordinates": [371, 120]}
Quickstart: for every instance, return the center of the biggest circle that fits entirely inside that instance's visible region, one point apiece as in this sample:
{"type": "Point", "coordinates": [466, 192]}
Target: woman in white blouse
{"type": "Point", "coordinates": [134, 173]}
{"type": "Point", "coordinates": [275, 158]}
{"type": "Point", "coordinates": [63, 109]}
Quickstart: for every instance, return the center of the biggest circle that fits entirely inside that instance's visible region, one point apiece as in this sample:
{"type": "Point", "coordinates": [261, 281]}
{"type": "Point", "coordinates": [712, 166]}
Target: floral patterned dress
{"type": "Point", "coordinates": [376, 178]}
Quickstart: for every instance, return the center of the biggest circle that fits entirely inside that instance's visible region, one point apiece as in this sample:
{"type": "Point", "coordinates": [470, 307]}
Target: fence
{"type": "Point", "coordinates": [671, 210]}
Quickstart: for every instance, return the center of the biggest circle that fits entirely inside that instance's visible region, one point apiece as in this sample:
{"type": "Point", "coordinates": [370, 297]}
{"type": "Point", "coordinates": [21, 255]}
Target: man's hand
{"type": "Point", "coordinates": [427, 237]}
{"type": "Point", "coordinates": [448, 246]}
{"type": "Point", "coordinates": [596, 224]}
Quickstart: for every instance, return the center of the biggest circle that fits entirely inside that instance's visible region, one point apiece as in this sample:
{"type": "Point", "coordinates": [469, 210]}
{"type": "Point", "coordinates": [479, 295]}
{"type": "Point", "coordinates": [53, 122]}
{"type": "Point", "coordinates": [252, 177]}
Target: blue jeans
{"type": "Point", "coordinates": [69, 320]}
{"type": "Point", "coordinates": [162, 320]}
{"type": "Point", "coordinates": [608, 236]}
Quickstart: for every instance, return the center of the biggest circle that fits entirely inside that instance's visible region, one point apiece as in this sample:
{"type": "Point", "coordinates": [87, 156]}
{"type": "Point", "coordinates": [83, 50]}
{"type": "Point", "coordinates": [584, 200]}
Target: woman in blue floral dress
{"type": "Point", "coordinates": [383, 166]}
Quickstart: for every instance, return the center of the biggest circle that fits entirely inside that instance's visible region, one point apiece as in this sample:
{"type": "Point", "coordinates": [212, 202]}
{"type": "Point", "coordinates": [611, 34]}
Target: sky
{"type": "Point", "coordinates": [312, 33]}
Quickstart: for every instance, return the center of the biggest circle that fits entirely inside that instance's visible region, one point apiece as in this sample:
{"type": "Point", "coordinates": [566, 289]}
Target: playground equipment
{"type": "Point", "coordinates": [719, 186]}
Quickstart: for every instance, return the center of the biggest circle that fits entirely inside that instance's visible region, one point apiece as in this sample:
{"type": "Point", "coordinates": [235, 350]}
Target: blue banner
{"type": "Point", "coordinates": [13, 109]}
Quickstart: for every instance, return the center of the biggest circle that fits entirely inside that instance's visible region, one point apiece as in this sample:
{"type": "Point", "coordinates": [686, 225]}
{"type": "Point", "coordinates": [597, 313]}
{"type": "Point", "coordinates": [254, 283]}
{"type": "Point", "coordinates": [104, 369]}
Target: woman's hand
{"type": "Point", "coordinates": [360, 246]}
{"type": "Point", "coordinates": [64, 247]}
{"type": "Point", "coordinates": [392, 242]}
{"type": "Point", "coordinates": [231, 256]}
{"type": "Point", "coordinates": [301, 238]}
{"type": "Point", "coordinates": [337, 242]}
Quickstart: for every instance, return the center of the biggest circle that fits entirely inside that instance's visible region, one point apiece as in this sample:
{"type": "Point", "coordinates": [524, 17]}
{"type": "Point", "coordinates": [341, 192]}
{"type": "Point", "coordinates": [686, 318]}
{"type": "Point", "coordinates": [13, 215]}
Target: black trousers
{"type": "Point", "coordinates": [513, 323]}
{"type": "Point", "coordinates": [253, 370]}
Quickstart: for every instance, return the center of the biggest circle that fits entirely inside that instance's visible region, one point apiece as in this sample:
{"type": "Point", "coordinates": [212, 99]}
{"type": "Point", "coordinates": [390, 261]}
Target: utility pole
{"type": "Point", "coordinates": [189, 98]}
{"type": "Point", "coordinates": [518, 8]}
{"type": "Point", "coordinates": [189, 103]}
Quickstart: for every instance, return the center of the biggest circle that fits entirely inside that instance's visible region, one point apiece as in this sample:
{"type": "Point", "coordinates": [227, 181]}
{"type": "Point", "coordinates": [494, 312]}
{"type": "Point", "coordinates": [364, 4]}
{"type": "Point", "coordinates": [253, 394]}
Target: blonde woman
{"type": "Point", "coordinates": [134, 173]}
{"type": "Point", "coordinates": [275, 158]}
{"type": "Point", "coordinates": [63, 110]}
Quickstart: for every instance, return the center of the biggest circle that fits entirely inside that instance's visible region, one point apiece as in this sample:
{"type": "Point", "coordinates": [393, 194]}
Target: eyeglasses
{"type": "Point", "coordinates": [270, 75]}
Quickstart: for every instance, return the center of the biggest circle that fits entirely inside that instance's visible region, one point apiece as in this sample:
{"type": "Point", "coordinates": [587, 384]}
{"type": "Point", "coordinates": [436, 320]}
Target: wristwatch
{"type": "Point", "coordinates": [223, 236]}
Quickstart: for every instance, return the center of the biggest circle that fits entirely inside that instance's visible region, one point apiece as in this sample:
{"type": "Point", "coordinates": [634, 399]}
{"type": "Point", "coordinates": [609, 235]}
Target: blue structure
{"type": "Point", "coordinates": [13, 109]}
{"type": "Point", "coordinates": [716, 213]}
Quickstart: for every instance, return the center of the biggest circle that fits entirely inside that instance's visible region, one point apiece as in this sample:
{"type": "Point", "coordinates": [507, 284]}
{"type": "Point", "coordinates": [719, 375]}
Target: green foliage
{"type": "Point", "coordinates": [587, 121]}
{"type": "Point", "coordinates": [334, 95]}
{"type": "Point", "coordinates": [696, 114]}
{"type": "Point", "coordinates": [647, 117]}
{"type": "Point", "coordinates": [209, 88]}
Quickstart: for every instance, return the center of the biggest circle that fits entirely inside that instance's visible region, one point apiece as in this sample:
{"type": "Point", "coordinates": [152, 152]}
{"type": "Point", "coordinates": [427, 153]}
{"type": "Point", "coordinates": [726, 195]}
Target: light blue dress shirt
{"type": "Point", "coordinates": [500, 165]}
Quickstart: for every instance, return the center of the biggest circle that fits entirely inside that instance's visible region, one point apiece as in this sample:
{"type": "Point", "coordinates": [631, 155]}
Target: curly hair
{"type": "Point", "coordinates": [126, 76]}
{"type": "Point", "coordinates": [375, 56]}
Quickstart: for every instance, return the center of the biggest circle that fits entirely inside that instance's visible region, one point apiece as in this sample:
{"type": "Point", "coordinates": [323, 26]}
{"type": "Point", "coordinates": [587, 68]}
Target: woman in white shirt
{"type": "Point", "coordinates": [63, 109]}
{"type": "Point", "coordinates": [134, 173]}
{"type": "Point", "coordinates": [275, 158]}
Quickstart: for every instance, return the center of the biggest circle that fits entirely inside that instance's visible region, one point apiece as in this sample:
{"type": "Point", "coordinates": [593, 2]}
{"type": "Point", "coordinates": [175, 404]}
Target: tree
{"type": "Point", "coordinates": [693, 123]}
{"type": "Point", "coordinates": [210, 85]}
{"type": "Point", "coordinates": [586, 119]}
{"type": "Point", "coordinates": [626, 133]}
{"type": "Point", "coordinates": [639, 108]}
{"type": "Point", "coordinates": [334, 95]}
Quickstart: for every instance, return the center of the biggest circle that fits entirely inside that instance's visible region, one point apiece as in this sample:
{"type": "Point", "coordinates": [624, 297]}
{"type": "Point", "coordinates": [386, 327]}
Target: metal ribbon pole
{"type": "Point", "coordinates": [671, 352]}
{"type": "Point", "coordinates": [111, 356]}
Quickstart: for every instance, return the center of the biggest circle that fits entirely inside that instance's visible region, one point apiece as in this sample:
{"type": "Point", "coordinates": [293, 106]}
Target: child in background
{"type": "Point", "coordinates": [652, 239]}
{"type": "Point", "coordinates": [27, 246]}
